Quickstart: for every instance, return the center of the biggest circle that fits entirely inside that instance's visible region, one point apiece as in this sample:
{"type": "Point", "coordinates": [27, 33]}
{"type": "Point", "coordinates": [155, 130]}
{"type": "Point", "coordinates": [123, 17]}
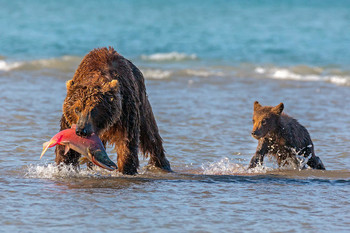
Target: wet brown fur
{"type": "Point", "coordinates": [107, 96]}
{"type": "Point", "coordinates": [281, 136]}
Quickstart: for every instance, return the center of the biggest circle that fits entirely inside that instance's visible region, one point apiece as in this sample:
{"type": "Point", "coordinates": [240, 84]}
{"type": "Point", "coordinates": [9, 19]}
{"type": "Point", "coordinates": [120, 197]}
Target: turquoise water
{"type": "Point", "coordinates": [258, 32]}
{"type": "Point", "coordinates": [205, 63]}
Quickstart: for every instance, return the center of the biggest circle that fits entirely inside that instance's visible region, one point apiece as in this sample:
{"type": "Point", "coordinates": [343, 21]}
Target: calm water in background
{"type": "Point", "coordinates": [205, 64]}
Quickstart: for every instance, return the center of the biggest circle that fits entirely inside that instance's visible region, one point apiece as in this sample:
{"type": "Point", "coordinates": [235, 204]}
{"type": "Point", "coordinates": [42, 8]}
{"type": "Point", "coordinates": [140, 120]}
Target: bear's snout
{"type": "Point", "coordinates": [83, 132]}
{"type": "Point", "coordinates": [84, 128]}
{"type": "Point", "coordinates": [256, 134]}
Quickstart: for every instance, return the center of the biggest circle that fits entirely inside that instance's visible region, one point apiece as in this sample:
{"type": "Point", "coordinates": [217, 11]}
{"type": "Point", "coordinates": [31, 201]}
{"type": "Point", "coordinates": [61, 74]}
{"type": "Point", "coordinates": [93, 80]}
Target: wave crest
{"type": "Point", "coordinates": [7, 66]}
{"type": "Point", "coordinates": [204, 73]}
{"type": "Point", "coordinates": [172, 56]}
{"type": "Point", "coordinates": [300, 73]}
{"type": "Point", "coordinates": [305, 73]}
{"type": "Point", "coordinates": [65, 64]}
{"type": "Point", "coordinates": [156, 73]}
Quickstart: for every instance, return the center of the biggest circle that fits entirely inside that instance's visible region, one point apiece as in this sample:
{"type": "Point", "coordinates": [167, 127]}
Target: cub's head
{"type": "Point", "coordinates": [265, 119]}
{"type": "Point", "coordinates": [93, 109]}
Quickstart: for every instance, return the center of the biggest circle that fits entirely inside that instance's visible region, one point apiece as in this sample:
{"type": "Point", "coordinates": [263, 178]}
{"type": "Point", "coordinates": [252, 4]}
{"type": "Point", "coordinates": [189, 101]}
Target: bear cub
{"type": "Point", "coordinates": [283, 137]}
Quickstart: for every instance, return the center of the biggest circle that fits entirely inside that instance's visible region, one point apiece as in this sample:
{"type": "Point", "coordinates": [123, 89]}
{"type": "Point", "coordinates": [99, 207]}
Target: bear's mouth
{"type": "Point", "coordinates": [256, 135]}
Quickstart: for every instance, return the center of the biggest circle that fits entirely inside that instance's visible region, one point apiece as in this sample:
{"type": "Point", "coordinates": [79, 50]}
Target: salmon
{"type": "Point", "coordinates": [91, 147]}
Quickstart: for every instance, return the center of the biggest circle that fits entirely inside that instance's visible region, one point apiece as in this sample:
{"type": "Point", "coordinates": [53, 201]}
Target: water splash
{"type": "Point", "coordinates": [226, 167]}
{"type": "Point", "coordinates": [301, 158]}
{"type": "Point", "coordinates": [52, 171]}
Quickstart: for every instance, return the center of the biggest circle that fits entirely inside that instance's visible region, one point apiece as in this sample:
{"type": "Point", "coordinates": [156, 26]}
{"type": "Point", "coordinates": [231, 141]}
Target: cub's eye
{"type": "Point", "coordinates": [253, 121]}
{"type": "Point", "coordinates": [76, 110]}
{"type": "Point", "coordinates": [263, 122]}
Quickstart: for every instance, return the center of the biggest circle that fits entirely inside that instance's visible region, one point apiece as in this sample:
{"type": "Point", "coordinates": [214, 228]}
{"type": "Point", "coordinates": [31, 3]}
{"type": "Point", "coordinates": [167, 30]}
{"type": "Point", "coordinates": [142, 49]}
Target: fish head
{"type": "Point", "coordinates": [100, 158]}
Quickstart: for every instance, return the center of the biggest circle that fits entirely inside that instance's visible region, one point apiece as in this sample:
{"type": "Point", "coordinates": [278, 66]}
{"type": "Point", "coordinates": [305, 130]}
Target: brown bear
{"type": "Point", "coordinates": [107, 96]}
{"type": "Point", "coordinates": [283, 137]}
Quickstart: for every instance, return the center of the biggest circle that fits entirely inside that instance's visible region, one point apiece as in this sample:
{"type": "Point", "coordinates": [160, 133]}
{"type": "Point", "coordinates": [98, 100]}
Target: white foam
{"type": "Point", "coordinates": [172, 56]}
{"type": "Point", "coordinates": [339, 80]}
{"type": "Point", "coordinates": [227, 167]}
{"type": "Point", "coordinates": [156, 73]}
{"type": "Point", "coordinates": [312, 74]}
{"type": "Point", "coordinates": [6, 66]}
{"type": "Point", "coordinates": [260, 70]}
{"type": "Point", "coordinates": [287, 74]}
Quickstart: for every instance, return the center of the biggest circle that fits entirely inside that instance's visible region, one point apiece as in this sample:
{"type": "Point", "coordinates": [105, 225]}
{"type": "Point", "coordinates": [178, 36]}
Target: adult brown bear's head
{"type": "Point", "coordinates": [93, 108]}
{"type": "Point", "coordinates": [265, 119]}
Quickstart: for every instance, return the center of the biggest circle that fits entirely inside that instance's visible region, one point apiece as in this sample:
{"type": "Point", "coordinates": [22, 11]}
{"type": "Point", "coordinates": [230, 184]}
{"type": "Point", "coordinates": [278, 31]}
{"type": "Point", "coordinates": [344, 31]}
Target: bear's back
{"type": "Point", "coordinates": [103, 65]}
{"type": "Point", "coordinates": [295, 134]}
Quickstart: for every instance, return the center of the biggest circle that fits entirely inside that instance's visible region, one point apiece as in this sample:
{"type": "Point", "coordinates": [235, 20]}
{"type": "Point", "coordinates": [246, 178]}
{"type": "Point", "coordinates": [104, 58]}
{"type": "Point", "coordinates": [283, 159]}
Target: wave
{"type": "Point", "coordinates": [156, 73]}
{"type": "Point", "coordinates": [297, 73]}
{"type": "Point", "coordinates": [166, 74]}
{"type": "Point", "coordinates": [203, 73]}
{"type": "Point", "coordinates": [172, 56]}
{"type": "Point", "coordinates": [64, 63]}
{"type": "Point", "coordinates": [305, 73]}
{"type": "Point", "coordinates": [7, 66]}
{"type": "Point", "coordinates": [300, 73]}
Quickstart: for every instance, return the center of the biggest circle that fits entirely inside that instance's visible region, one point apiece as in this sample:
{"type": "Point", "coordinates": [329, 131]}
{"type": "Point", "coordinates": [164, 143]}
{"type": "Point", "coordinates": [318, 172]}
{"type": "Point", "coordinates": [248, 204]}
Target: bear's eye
{"type": "Point", "coordinates": [253, 121]}
{"type": "Point", "coordinates": [263, 122]}
{"type": "Point", "coordinates": [76, 110]}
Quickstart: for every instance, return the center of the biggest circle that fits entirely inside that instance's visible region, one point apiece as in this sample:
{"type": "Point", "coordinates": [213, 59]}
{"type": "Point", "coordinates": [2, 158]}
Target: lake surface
{"type": "Point", "coordinates": [205, 63]}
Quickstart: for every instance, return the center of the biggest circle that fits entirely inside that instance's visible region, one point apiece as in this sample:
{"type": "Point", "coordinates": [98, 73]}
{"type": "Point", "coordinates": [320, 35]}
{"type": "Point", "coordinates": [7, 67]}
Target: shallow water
{"type": "Point", "coordinates": [205, 123]}
{"type": "Point", "coordinates": [202, 90]}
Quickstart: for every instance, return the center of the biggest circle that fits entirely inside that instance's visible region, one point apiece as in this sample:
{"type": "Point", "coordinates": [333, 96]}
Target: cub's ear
{"type": "Point", "coordinates": [69, 84]}
{"type": "Point", "coordinates": [278, 109]}
{"type": "Point", "coordinates": [257, 105]}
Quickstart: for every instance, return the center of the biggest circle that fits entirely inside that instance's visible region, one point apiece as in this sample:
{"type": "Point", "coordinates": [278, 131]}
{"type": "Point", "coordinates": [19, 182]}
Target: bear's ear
{"type": "Point", "coordinates": [278, 109]}
{"type": "Point", "coordinates": [257, 105]}
{"type": "Point", "coordinates": [113, 85]}
{"type": "Point", "coordinates": [69, 84]}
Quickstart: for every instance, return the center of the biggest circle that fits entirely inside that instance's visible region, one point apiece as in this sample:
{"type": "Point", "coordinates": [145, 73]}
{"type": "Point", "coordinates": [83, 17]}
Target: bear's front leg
{"type": "Point", "coordinates": [160, 161]}
{"type": "Point", "coordinates": [261, 151]}
{"type": "Point", "coordinates": [72, 157]}
{"type": "Point", "coordinates": [316, 163]}
{"type": "Point", "coordinates": [128, 160]}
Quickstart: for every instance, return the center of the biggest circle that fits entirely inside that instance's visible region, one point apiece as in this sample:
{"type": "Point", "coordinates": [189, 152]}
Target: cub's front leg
{"type": "Point", "coordinates": [261, 151]}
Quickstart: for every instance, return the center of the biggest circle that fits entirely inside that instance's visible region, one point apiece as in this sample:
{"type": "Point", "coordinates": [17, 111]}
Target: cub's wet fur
{"type": "Point", "coordinates": [283, 137]}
